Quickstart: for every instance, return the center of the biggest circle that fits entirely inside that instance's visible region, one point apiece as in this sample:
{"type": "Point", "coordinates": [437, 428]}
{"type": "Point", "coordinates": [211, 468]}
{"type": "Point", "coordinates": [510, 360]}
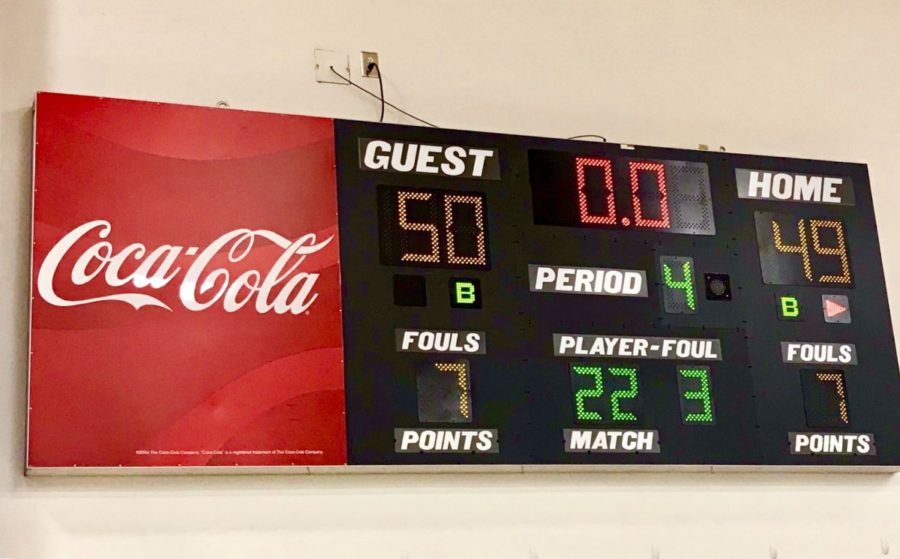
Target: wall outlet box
{"type": "Point", "coordinates": [366, 58]}
{"type": "Point", "coordinates": [328, 59]}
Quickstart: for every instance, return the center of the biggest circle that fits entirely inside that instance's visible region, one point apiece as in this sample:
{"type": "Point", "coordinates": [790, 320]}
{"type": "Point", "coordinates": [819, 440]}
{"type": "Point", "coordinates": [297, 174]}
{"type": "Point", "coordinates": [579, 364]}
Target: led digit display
{"type": "Point", "coordinates": [604, 394]}
{"type": "Point", "coordinates": [603, 190]}
{"type": "Point", "coordinates": [825, 398]}
{"type": "Point", "coordinates": [659, 195]}
{"type": "Point", "coordinates": [444, 392]}
{"type": "Point", "coordinates": [465, 231]}
{"type": "Point", "coordinates": [629, 373]}
{"type": "Point", "coordinates": [679, 290]}
{"type": "Point", "coordinates": [593, 377]}
{"type": "Point", "coordinates": [839, 251]}
{"type": "Point", "coordinates": [431, 252]}
{"type": "Point", "coordinates": [695, 390]}
{"type": "Point", "coordinates": [800, 251]}
{"type": "Point", "coordinates": [621, 193]}
{"type": "Point", "coordinates": [428, 227]}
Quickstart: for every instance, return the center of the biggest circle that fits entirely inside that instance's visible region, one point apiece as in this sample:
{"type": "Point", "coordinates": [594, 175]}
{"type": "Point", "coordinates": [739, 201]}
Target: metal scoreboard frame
{"type": "Point", "coordinates": [494, 303]}
{"type": "Point", "coordinates": [579, 371]}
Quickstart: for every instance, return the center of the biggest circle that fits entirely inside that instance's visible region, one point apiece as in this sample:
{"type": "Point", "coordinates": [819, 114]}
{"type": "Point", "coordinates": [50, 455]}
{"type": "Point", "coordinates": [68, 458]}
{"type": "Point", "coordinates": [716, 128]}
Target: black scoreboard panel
{"type": "Point", "coordinates": [527, 301]}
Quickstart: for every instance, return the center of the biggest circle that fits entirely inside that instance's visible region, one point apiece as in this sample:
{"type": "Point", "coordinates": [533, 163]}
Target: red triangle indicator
{"type": "Point", "coordinates": [833, 309]}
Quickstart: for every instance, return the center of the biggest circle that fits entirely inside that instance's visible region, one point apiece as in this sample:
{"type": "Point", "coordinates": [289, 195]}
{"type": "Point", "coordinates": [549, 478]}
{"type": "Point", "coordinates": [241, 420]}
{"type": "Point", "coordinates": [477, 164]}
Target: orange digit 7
{"type": "Point", "coordinates": [838, 381]}
{"type": "Point", "coordinates": [462, 381]}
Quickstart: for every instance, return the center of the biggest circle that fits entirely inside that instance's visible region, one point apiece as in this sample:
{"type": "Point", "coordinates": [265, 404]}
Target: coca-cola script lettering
{"type": "Point", "coordinates": [282, 289]}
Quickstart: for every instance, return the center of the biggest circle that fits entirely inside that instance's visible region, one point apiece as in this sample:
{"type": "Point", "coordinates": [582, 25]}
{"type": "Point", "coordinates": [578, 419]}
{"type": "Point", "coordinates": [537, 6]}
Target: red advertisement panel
{"type": "Point", "coordinates": [185, 288]}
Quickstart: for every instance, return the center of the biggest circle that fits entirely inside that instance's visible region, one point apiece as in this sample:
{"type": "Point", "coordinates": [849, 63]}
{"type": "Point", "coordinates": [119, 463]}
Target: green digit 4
{"type": "Point", "coordinates": [686, 284]}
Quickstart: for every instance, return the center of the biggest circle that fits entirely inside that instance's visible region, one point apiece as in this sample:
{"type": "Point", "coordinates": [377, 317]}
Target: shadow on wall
{"type": "Point", "coordinates": [23, 61]}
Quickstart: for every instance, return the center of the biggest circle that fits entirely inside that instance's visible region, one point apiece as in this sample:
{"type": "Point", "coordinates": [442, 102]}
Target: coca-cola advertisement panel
{"type": "Point", "coordinates": [185, 289]}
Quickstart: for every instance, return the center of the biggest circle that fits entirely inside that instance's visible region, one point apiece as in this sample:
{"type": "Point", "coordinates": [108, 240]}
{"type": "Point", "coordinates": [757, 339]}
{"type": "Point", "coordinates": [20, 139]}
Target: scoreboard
{"type": "Point", "coordinates": [221, 289]}
{"type": "Point", "coordinates": [530, 301]}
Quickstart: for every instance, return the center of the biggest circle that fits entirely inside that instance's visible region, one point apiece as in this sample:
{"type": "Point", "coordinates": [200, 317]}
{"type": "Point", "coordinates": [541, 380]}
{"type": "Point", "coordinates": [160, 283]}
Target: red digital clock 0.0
{"type": "Point", "coordinates": [621, 193]}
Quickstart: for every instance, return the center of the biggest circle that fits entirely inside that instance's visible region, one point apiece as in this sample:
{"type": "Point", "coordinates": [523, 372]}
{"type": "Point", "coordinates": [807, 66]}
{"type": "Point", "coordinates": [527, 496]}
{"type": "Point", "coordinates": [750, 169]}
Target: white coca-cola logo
{"type": "Point", "coordinates": [282, 289]}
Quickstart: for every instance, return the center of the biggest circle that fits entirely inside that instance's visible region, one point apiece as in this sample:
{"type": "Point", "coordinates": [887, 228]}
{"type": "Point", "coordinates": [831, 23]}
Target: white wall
{"type": "Point", "coordinates": [809, 79]}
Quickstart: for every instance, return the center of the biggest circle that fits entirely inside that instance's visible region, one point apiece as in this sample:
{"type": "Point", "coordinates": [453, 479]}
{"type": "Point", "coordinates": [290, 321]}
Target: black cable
{"type": "Point", "coordinates": [588, 136]}
{"type": "Point", "coordinates": [373, 66]}
{"type": "Point", "coordinates": [391, 105]}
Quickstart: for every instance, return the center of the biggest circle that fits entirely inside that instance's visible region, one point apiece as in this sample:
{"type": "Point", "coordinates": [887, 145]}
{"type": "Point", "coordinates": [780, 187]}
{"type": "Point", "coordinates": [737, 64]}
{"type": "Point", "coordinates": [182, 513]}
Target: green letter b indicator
{"type": "Point", "coordinates": [465, 293]}
{"type": "Point", "coordinates": [789, 307]}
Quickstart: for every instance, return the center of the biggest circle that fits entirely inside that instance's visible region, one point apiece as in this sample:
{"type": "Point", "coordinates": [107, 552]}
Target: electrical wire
{"type": "Point", "coordinates": [374, 66]}
{"type": "Point", "coordinates": [587, 136]}
{"type": "Point", "coordinates": [391, 105]}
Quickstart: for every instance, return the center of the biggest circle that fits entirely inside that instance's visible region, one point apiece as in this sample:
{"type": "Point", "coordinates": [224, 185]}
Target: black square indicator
{"type": "Point", "coordinates": [825, 398]}
{"type": "Point", "coordinates": [465, 293]}
{"type": "Point", "coordinates": [718, 287]}
{"type": "Point", "coordinates": [409, 291]}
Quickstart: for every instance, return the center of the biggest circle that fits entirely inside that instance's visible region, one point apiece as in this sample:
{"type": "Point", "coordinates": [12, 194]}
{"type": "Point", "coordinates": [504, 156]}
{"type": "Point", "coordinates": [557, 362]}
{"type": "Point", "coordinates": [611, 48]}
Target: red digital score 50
{"type": "Point", "coordinates": [591, 191]}
{"type": "Point", "coordinates": [432, 227]}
